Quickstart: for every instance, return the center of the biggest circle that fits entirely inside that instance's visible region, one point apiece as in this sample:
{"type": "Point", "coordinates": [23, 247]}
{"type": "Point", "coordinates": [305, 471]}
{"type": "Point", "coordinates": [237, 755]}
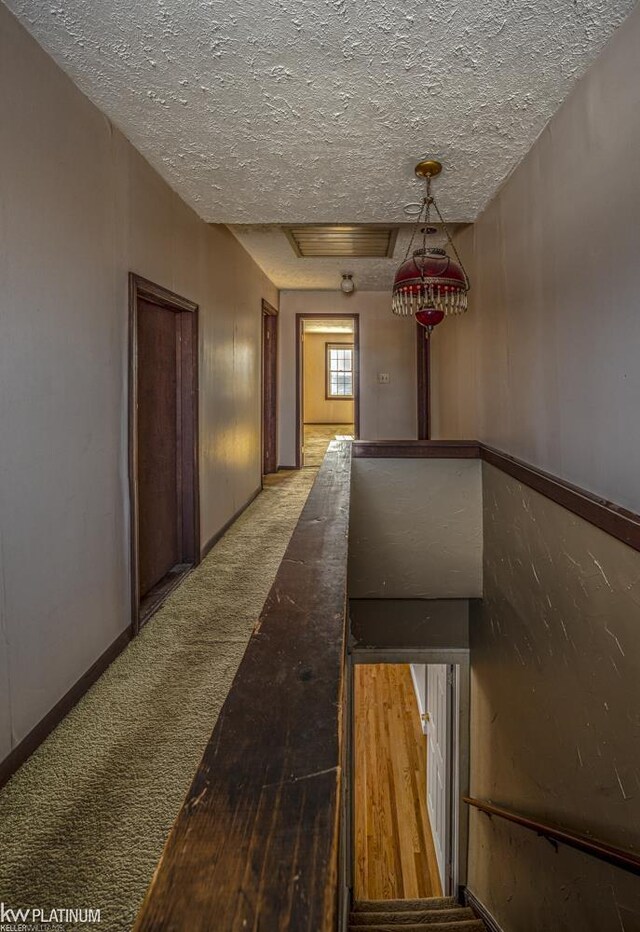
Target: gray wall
{"type": "Point", "coordinates": [79, 208]}
{"type": "Point", "coordinates": [415, 529]}
{"type": "Point", "coordinates": [545, 364]}
{"type": "Point", "coordinates": [387, 344]}
{"type": "Point", "coordinates": [555, 713]}
{"type": "Point", "coordinates": [545, 367]}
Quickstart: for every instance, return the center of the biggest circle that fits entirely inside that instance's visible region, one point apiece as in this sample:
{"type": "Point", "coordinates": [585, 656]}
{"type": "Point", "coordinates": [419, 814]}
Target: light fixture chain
{"type": "Point", "coordinates": [427, 215]}
{"type": "Point", "coordinates": [452, 244]}
{"type": "Point", "coordinates": [415, 230]}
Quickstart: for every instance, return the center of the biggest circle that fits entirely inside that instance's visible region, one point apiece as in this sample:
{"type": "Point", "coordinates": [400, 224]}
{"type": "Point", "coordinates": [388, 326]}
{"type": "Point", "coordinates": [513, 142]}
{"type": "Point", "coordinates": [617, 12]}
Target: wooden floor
{"type": "Point", "coordinates": [394, 853]}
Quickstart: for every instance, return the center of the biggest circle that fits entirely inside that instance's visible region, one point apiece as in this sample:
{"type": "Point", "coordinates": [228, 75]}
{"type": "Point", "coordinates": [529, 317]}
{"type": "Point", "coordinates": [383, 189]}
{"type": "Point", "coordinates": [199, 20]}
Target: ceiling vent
{"type": "Point", "coordinates": [339, 240]}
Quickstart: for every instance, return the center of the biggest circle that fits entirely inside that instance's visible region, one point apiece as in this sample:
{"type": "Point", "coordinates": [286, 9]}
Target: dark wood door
{"type": "Point", "coordinates": [159, 491]}
{"type": "Point", "coordinates": [163, 443]}
{"type": "Point", "coordinates": [269, 389]}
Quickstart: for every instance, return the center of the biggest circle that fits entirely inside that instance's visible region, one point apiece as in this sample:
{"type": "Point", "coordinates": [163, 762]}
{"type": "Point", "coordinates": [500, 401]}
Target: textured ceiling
{"type": "Point", "coordinates": [272, 251]}
{"type": "Point", "coordinates": [271, 111]}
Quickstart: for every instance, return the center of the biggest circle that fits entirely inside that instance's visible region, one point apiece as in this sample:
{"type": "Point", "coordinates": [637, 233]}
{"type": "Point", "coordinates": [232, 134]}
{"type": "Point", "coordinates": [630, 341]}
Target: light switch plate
{"type": "Point", "coordinates": [383, 378]}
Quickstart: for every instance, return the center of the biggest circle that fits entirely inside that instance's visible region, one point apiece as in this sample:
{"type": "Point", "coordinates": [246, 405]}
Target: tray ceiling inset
{"type": "Point", "coordinates": [318, 241]}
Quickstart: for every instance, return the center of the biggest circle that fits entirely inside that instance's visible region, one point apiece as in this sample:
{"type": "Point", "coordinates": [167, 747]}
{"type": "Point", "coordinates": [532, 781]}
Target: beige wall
{"type": "Point", "coordinates": [545, 364]}
{"type": "Point", "coordinates": [79, 208]}
{"type": "Point", "coordinates": [415, 529]}
{"type": "Point", "coordinates": [555, 725]}
{"type": "Point", "coordinates": [317, 408]}
{"type": "Point", "coordinates": [387, 344]}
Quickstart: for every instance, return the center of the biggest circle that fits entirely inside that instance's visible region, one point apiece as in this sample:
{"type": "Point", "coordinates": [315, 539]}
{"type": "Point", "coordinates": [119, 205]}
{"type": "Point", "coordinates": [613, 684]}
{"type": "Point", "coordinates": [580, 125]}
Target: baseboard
{"type": "Point", "coordinates": [288, 468]}
{"type": "Point", "coordinates": [43, 729]}
{"type": "Point", "coordinates": [225, 527]}
{"type": "Point", "coordinates": [470, 899]}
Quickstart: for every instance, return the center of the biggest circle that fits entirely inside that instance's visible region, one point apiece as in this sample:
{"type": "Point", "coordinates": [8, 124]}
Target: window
{"type": "Point", "coordinates": [339, 370]}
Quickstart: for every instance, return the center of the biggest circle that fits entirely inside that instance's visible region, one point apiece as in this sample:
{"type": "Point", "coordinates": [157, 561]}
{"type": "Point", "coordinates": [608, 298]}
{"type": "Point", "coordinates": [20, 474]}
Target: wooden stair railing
{"type": "Point", "coordinates": [255, 844]}
{"type": "Point", "coordinates": [627, 860]}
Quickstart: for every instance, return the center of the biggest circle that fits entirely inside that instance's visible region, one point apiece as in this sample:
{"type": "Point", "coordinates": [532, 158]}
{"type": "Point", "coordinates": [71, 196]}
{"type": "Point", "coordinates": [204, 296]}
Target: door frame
{"type": "Point", "coordinates": [449, 751]}
{"type": "Point", "coordinates": [423, 356]}
{"type": "Point", "coordinates": [300, 318]}
{"type": "Point", "coordinates": [459, 738]}
{"type": "Point", "coordinates": [269, 389]}
{"type": "Point", "coordinates": [141, 289]}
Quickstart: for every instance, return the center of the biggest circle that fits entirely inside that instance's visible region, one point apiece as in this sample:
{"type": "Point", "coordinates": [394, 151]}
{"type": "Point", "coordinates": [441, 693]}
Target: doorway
{"type": "Point", "coordinates": [408, 747]}
{"type": "Point", "coordinates": [163, 443]}
{"type": "Point", "coordinates": [395, 856]}
{"type": "Point", "coordinates": [269, 389]}
{"type": "Point", "coordinates": [328, 383]}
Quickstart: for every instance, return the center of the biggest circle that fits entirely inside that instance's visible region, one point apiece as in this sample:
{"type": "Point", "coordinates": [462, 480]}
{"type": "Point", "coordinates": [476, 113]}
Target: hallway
{"type": "Point", "coordinates": [85, 819]}
{"type": "Point", "coordinates": [233, 232]}
{"type": "Point", "coordinates": [394, 853]}
{"type": "Point", "coordinates": [317, 438]}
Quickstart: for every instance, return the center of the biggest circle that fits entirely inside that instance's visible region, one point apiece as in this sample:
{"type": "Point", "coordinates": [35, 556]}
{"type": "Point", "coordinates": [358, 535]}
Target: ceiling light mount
{"type": "Point", "coordinates": [347, 285]}
{"type": "Point", "coordinates": [428, 168]}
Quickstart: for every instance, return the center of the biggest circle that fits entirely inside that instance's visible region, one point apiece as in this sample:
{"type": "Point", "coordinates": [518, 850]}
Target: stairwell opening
{"type": "Point", "coordinates": [408, 753]}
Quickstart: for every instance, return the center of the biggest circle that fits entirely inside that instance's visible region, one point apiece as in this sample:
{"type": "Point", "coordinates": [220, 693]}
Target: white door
{"type": "Point", "coordinates": [439, 762]}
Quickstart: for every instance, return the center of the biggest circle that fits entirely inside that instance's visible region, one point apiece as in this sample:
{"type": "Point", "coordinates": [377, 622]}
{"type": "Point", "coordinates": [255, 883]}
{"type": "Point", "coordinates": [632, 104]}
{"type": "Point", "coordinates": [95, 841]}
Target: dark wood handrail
{"type": "Point", "coordinates": [592, 846]}
{"type": "Point", "coordinates": [613, 519]}
{"type": "Point", "coordinates": [416, 449]}
{"type": "Point", "coordinates": [256, 841]}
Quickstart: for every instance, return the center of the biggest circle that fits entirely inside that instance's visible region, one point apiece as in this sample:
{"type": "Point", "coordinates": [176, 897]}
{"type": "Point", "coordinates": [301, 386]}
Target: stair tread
{"type": "Point", "coordinates": [404, 916]}
{"type": "Point", "coordinates": [465, 925]}
{"type": "Point", "coordinates": [385, 906]}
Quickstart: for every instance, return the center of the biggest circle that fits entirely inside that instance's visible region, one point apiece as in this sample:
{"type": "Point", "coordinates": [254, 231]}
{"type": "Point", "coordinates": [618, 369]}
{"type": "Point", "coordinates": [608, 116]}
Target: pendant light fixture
{"type": "Point", "coordinates": [429, 285]}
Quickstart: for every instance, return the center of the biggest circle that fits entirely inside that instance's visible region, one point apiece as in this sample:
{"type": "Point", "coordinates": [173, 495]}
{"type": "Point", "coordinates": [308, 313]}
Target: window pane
{"type": "Point", "coordinates": [340, 371]}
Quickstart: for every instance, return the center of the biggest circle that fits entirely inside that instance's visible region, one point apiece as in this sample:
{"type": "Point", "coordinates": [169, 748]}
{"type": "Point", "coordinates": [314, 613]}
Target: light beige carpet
{"type": "Point", "coordinates": [317, 438]}
{"type": "Point", "coordinates": [83, 823]}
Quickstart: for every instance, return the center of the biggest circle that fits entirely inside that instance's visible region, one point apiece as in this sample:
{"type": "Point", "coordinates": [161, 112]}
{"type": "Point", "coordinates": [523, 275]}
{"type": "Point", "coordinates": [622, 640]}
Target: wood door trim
{"type": "Point", "coordinates": [268, 312]}
{"type": "Point", "coordinates": [356, 372]}
{"type": "Point", "coordinates": [141, 289]}
{"type": "Point", "coordinates": [157, 294]}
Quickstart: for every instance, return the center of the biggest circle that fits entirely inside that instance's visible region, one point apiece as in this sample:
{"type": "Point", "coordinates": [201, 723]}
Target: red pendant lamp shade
{"type": "Point", "coordinates": [429, 285]}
